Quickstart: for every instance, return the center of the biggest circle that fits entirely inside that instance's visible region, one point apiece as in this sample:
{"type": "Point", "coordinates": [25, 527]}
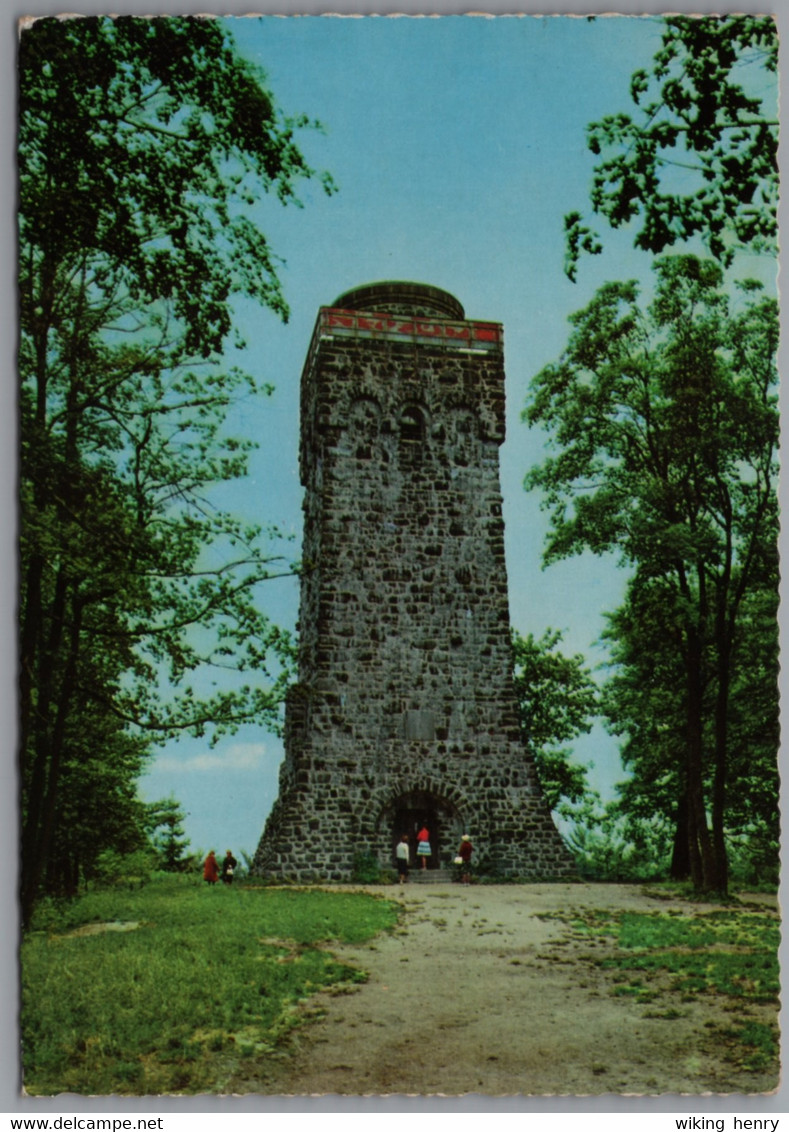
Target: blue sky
{"type": "Point", "coordinates": [457, 144]}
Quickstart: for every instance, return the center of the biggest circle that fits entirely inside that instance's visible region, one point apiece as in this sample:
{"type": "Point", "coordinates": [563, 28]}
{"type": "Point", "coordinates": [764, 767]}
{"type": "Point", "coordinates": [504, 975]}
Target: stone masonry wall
{"type": "Point", "coordinates": [405, 699]}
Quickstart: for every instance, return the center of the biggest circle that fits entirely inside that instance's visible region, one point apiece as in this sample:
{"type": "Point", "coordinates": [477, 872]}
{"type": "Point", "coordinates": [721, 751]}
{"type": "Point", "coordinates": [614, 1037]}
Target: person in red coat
{"type": "Point", "coordinates": [211, 869]}
{"type": "Point", "coordinates": [464, 852]}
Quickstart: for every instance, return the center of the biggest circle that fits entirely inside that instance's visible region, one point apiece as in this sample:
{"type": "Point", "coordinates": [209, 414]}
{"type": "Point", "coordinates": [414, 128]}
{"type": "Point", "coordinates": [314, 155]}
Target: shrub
{"type": "Point", "coordinates": [132, 870]}
{"type": "Point", "coordinates": [366, 869]}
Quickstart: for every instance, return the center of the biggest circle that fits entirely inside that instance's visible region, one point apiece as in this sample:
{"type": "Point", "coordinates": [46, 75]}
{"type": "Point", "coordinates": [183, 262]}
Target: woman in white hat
{"type": "Point", "coordinates": [464, 852]}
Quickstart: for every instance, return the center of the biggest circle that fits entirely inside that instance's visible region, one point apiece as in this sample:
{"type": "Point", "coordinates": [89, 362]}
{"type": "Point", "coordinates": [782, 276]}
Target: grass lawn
{"type": "Point", "coordinates": [210, 977]}
{"type": "Point", "coordinates": [729, 955]}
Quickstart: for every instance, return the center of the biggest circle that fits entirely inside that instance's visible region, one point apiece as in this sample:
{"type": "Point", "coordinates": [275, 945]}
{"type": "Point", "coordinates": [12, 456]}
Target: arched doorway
{"type": "Point", "coordinates": [416, 808]}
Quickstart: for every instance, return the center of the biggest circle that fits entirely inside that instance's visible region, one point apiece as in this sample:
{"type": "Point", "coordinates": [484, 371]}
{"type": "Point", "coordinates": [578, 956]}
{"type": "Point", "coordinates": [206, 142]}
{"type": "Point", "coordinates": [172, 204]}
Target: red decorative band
{"type": "Point", "coordinates": [332, 320]}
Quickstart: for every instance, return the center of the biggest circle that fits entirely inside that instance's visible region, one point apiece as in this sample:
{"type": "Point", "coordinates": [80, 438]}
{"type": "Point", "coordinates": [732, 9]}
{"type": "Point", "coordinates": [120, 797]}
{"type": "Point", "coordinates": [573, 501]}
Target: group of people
{"type": "Point", "coordinates": [212, 870]}
{"type": "Point", "coordinates": [424, 851]}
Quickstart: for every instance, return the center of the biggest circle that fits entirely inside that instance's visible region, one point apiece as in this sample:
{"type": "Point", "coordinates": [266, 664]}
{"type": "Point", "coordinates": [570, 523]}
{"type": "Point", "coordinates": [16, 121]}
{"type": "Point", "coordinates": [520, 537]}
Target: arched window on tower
{"type": "Point", "coordinates": [412, 425]}
{"type": "Point", "coordinates": [463, 437]}
{"type": "Point", "coordinates": [412, 432]}
{"type": "Point", "coordinates": [363, 427]}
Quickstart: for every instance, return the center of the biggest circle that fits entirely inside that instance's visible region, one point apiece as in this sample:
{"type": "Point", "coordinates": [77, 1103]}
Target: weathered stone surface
{"type": "Point", "coordinates": [405, 710]}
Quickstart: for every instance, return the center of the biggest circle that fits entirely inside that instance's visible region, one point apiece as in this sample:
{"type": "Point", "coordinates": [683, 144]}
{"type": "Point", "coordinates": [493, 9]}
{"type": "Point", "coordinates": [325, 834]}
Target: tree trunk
{"type": "Point", "coordinates": [721, 759]}
{"type": "Point", "coordinates": [38, 829]}
{"type": "Point", "coordinates": [700, 847]}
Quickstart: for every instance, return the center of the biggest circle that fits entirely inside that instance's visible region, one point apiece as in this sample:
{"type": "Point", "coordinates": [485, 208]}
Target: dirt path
{"type": "Point", "coordinates": [474, 993]}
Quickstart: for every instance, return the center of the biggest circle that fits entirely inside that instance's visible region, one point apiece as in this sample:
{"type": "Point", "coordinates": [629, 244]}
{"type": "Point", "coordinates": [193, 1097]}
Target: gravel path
{"type": "Point", "coordinates": [476, 993]}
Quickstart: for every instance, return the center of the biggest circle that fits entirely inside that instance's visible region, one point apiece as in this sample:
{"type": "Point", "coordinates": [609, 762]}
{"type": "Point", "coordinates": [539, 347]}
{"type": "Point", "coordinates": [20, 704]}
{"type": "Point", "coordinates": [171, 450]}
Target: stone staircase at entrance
{"type": "Point", "coordinates": [431, 876]}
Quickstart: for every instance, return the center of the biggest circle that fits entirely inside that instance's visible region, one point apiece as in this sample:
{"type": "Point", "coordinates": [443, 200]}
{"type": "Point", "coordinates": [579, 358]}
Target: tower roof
{"type": "Point", "coordinates": [401, 298]}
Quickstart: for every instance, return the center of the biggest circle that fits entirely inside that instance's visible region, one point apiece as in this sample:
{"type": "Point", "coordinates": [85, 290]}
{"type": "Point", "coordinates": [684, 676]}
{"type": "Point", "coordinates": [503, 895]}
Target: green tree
{"type": "Point", "coordinates": [700, 157]}
{"type": "Point", "coordinates": [97, 809]}
{"type": "Point", "coordinates": [557, 700]}
{"type": "Point", "coordinates": [142, 145]}
{"type": "Point", "coordinates": [165, 822]}
{"type": "Point", "coordinates": [619, 847]}
{"type": "Point", "coordinates": [754, 734]}
{"type": "Point", "coordinates": [665, 421]}
{"type": "Point", "coordinates": [645, 703]}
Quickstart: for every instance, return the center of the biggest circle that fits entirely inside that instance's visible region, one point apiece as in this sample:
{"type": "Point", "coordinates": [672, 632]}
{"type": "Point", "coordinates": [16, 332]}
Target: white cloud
{"type": "Point", "coordinates": [236, 756]}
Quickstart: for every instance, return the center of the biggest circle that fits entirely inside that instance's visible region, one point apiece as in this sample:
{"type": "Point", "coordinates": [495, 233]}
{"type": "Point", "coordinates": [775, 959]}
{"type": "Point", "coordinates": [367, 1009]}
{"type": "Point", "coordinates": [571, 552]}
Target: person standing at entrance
{"type": "Point", "coordinates": [464, 852]}
{"type": "Point", "coordinates": [403, 853]}
{"type": "Point", "coordinates": [423, 850]}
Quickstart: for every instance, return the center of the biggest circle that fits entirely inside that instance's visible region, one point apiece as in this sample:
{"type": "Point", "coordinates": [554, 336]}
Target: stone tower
{"type": "Point", "coordinates": [404, 712]}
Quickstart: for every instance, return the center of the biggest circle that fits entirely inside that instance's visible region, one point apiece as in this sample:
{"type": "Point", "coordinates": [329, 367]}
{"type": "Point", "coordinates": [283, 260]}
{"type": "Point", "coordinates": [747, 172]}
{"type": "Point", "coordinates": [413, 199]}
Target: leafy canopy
{"type": "Point", "coordinates": [143, 145]}
{"type": "Point", "coordinates": [699, 158]}
{"type": "Point", "coordinates": [557, 700]}
{"type": "Point", "coordinates": [663, 433]}
{"type": "Point", "coordinates": [662, 422]}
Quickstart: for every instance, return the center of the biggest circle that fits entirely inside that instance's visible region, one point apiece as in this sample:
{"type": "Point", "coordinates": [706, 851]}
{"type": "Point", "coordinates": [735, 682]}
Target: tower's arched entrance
{"type": "Point", "coordinates": [409, 812]}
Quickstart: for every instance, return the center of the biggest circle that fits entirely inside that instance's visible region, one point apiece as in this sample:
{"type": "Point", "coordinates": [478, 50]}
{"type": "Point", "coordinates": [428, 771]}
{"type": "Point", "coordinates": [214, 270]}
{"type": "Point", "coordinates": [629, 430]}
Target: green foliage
{"type": "Point", "coordinates": [209, 978]}
{"type": "Point", "coordinates": [98, 811]}
{"type": "Point", "coordinates": [754, 860]}
{"type": "Point", "coordinates": [142, 145]}
{"type": "Point", "coordinates": [165, 828]}
{"type": "Point", "coordinates": [610, 849]}
{"type": "Point", "coordinates": [645, 703]}
{"type": "Point", "coordinates": [752, 976]}
{"type": "Point", "coordinates": [557, 700]}
{"type": "Point", "coordinates": [664, 429]}
{"type": "Point", "coordinates": [151, 137]}
{"type": "Point", "coordinates": [728, 956]}
{"type": "Point", "coordinates": [700, 156]}
{"type": "Point", "coordinates": [734, 929]}
{"type": "Point", "coordinates": [730, 953]}
{"type": "Point", "coordinates": [132, 870]}
{"type": "Point", "coordinates": [366, 869]}
{"type": "Point", "coordinates": [761, 1044]}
